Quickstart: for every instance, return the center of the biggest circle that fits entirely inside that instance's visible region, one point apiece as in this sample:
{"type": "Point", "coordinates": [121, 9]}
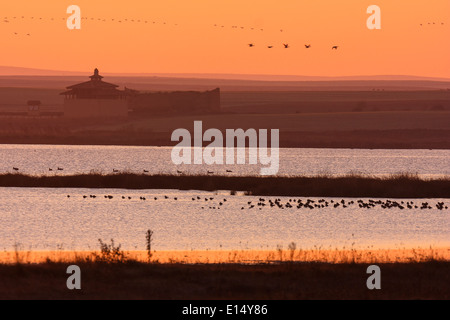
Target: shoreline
{"type": "Point", "coordinates": [425, 278]}
{"type": "Point", "coordinates": [83, 143]}
{"type": "Point", "coordinates": [237, 257]}
{"type": "Point", "coordinates": [365, 139]}
{"type": "Point", "coordinates": [394, 186]}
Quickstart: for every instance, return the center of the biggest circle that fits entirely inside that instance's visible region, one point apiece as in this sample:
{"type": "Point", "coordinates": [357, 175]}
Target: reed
{"type": "Point", "coordinates": [403, 185]}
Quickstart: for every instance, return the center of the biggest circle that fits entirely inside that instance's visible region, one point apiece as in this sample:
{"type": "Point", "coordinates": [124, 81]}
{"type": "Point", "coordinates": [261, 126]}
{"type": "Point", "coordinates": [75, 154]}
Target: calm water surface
{"type": "Point", "coordinates": [45, 219]}
{"type": "Point", "coordinates": [38, 159]}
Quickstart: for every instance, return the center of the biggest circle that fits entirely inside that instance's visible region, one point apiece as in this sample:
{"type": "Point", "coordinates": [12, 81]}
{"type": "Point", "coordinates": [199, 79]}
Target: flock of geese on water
{"type": "Point", "coordinates": [118, 171]}
{"type": "Point", "coordinates": [212, 203]}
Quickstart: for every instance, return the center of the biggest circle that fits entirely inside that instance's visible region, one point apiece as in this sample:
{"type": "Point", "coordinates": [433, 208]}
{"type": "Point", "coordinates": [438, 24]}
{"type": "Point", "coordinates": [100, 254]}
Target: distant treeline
{"type": "Point", "coordinates": [396, 186]}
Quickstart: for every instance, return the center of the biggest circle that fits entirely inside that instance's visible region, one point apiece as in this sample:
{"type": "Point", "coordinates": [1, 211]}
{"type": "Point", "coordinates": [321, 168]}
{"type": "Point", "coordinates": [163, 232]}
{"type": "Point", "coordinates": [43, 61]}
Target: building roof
{"type": "Point", "coordinates": [94, 88]}
{"type": "Point", "coordinates": [93, 85]}
{"type": "Point", "coordinates": [95, 82]}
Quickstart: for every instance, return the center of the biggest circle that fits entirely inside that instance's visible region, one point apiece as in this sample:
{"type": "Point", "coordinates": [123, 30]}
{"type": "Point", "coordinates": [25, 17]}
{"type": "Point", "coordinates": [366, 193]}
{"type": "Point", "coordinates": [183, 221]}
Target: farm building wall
{"type": "Point", "coordinates": [177, 102]}
{"type": "Point", "coordinates": [95, 108]}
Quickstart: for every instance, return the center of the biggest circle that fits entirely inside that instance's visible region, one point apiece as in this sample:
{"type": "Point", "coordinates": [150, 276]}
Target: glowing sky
{"type": "Point", "coordinates": [189, 42]}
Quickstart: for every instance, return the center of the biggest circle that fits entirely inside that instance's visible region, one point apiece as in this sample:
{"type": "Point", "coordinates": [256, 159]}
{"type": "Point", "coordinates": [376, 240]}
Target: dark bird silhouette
{"type": "Point", "coordinates": [251, 45]}
{"type": "Point", "coordinates": [286, 45]}
{"type": "Point", "coordinates": [270, 47]}
{"type": "Point", "coordinates": [335, 47]}
{"type": "Point", "coordinates": [307, 46]}
{"type": "Point", "coordinates": [60, 169]}
{"type": "Point", "coordinates": [16, 169]}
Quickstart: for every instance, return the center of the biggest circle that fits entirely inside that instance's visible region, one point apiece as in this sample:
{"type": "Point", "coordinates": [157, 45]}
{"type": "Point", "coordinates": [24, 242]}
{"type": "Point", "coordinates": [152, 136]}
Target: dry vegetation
{"type": "Point", "coordinates": [395, 186]}
{"type": "Point", "coordinates": [284, 274]}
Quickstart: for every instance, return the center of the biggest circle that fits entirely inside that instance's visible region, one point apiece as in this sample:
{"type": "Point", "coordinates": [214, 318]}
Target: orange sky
{"type": "Point", "coordinates": [190, 43]}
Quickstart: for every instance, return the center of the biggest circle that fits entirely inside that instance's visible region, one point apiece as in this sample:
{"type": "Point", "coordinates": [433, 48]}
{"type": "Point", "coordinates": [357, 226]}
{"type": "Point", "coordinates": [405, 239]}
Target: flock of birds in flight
{"type": "Point", "coordinates": [277, 203]}
{"type": "Point", "coordinates": [431, 23]}
{"type": "Point", "coordinates": [8, 20]}
{"type": "Point", "coordinates": [251, 45]}
{"type": "Point", "coordinates": [285, 45]}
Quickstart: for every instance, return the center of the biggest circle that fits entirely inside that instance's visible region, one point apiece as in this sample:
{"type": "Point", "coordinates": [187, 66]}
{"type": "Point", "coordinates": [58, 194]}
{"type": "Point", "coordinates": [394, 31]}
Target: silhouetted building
{"type": "Point", "coordinates": [95, 98]}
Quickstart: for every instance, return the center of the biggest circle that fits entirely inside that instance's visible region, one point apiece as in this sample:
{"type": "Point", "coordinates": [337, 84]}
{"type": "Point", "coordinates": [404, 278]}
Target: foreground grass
{"type": "Point", "coordinates": [289, 254]}
{"type": "Point", "coordinates": [134, 280]}
{"type": "Point", "coordinates": [278, 274]}
{"type": "Point", "coordinates": [395, 186]}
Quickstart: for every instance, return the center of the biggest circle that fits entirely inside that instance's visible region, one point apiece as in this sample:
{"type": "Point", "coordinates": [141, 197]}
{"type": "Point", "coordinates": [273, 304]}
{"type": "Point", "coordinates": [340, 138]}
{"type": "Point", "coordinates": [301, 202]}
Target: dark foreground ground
{"type": "Point", "coordinates": [132, 280]}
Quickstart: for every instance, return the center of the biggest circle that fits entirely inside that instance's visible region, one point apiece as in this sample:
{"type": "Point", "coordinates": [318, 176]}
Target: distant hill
{"type": "Point", "coordinates": [19, 71]}
{"type": "Point", "coordinates": [54, 79]}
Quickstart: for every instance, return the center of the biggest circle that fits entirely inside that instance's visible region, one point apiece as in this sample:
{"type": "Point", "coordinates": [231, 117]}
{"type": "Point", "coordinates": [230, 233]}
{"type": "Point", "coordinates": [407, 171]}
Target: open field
{"type": "Point", "coordinates": [365, 118]}
{"type": "Point", "coordinates": [268, 101]}
{"type": "Point", "coordinates": [390, 129]}
{"type": "Point", "coordinates": [307, 122]}
{"type": "Point", "coordinates": [397, 186]}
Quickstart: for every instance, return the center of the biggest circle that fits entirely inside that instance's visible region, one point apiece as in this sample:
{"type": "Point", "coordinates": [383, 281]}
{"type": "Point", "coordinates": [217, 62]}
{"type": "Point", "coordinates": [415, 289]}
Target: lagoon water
{"type": "Point", "coordinates": [46, 219]}
{"type": "Point", "coordinates": [38, 159]}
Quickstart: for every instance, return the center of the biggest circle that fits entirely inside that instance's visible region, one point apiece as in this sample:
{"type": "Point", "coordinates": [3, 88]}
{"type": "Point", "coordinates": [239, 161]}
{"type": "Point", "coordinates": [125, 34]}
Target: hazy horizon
{"type": "Point", "coordinates": [23, 71]}
{"type": "Point", "coordinates": [197, 37]}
